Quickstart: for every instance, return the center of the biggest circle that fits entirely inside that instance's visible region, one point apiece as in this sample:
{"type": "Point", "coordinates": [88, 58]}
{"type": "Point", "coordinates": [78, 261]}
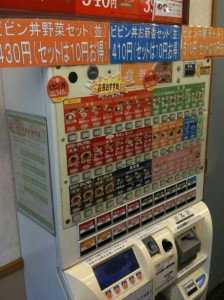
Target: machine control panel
{"type": "Point", "coordinates": [122, 272]}
{"type": "Point", "coordinates": [125, 285]}
{"type": "Point", "coordinates": [147, 262]}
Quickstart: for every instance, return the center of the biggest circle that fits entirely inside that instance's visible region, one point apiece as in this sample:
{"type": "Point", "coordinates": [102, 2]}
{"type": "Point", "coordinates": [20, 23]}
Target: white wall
{"type": "Point", "coordinates": [200, 12]}
{"type": "Point", "coordinates": [214, 187]}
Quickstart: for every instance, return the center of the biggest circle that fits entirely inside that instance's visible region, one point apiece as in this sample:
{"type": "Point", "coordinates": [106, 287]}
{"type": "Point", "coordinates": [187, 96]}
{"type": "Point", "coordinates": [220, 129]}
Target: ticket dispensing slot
{"type": "Point", "coordinates": [192, 239]}
{"type": "Point", "coordinates": [188, 245]}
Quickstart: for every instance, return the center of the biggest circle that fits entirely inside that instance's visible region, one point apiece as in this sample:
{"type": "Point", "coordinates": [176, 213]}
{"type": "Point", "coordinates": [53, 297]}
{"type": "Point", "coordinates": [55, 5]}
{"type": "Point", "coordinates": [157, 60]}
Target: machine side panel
{"type": "Point", "coordinates": [24, 90]}
{"type": "Point", "coordinates": [38, 246]}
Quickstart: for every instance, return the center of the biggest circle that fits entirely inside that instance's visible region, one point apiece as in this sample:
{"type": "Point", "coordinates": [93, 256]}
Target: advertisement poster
{"type": "Point", "coordinates": [122, 9]}
{"type": "Point", "coordinates": [168, 11]}
{"type": "Point", "coordinates": [59, 6]}
{"type": "Point", "coordinates": [28, 135]}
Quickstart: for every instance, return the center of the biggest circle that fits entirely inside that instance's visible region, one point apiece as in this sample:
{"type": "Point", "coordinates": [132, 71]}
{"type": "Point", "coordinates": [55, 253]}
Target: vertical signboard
{"type": "Point", "coordinates": [28, 135]}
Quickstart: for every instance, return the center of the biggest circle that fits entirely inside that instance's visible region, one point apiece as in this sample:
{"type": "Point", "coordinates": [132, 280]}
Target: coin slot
{"type": "Point", "coordinates": [73, 77]}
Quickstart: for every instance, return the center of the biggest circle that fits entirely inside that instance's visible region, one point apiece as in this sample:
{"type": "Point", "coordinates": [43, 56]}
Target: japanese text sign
{"type": "Point", "coordinates": [202, 42]}
{"type": "Point", "coordinates": [162, 11]}
{"type": "Point", "coordinates": [124, 9]}
{"type": "Point", "coordinates": [53, 42]}
{"type": "Point", "coordinates": [59, 6]}
{"type": "Point", "coordinates": [131, 43]}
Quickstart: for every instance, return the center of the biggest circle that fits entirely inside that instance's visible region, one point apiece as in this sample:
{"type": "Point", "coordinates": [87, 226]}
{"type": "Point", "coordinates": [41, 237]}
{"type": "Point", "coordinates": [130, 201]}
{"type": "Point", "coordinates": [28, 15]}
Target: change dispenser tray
{"type": "Point", "coordinates": [188, 245]}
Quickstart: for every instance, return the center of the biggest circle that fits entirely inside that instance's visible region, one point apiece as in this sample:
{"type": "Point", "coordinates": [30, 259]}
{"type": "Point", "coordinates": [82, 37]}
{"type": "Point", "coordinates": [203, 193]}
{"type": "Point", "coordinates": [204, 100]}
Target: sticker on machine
{"type": "Point", "coordinates": [158, 211]}
{"type": "Point", "coordinates": [57, 88]}
{"type": "Point", "coordinates": [190, 288]}
{"type": "Point", "coordinates": [119, 230]}
{"type": "Point", "coordinates": [103, 220]}
{"type": "Point", "coordinates": [165, 271]}
{"type": "Point", "coordinates": [150, 80]}
{"type": "Point", "coordinates": [87, 246]}
{"type": "Point", "coordinates": [184, 218]}
{"type": "Point", "coordinates": [170, 205]}
{"type": "Point", "coordinates": [110, 86]}
{"type": "Point", "coordinates": [133, 223]}
{"type": "Point", "coordinates": [202, 69]}
{"type": "Point", "coordinates": [104, 237]}
{"type": "Point", "coordinates": [168, 11]}
{"type": "Point", "coordinates": [146, 217]}
{"type": "Point", "coordinates": [87, 228]}
{"type": "Point", "coordinates": [200, 281]}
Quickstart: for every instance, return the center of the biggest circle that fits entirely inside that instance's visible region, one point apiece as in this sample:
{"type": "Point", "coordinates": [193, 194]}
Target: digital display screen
{"type": "Point", "coordinates": [116, 268]}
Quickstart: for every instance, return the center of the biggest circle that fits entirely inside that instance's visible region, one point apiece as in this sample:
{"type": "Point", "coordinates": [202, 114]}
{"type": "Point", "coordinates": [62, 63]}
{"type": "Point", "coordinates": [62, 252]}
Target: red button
{"type": "Point", "coordinates": [139, 276]}
{"type": "Point", "coordinates": [125, 285]}
{"type": "Point", "coordinates": [109, 295]}
{"type": "Point", "coordinates": [117, 290]}
{"type": "Point", "coordinates": [132, 280]}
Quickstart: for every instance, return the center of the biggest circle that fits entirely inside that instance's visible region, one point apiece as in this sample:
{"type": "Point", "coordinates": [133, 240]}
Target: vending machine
{"type": "Point", "coordinates": [109, 162]}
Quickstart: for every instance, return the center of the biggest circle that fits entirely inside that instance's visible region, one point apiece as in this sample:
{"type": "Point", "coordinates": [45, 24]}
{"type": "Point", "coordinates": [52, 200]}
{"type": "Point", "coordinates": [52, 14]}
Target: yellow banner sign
{"type": "Point", "coordinates": [53, 42]}
{"type": "Point", "coordinates": [202, 42]}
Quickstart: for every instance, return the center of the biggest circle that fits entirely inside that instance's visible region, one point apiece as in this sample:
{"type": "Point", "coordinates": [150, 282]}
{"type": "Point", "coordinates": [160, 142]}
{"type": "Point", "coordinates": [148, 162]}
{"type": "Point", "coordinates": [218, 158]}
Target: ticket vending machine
{"type": "Point", "coordinates": [109, 189]}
